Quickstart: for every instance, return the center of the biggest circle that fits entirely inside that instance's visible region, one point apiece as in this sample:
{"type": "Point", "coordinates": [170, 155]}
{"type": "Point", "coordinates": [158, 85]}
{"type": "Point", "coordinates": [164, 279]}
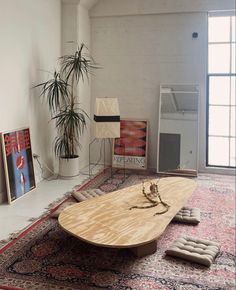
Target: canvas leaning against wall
{"type": "Point", "coordinates": [18, 163]}
{"type": "Point", "coordinates": [130, 150]}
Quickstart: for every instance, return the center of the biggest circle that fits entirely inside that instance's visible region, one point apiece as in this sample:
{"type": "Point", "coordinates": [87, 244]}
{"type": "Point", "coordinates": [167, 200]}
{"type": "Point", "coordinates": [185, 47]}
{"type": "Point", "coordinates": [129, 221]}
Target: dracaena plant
{"type": "Point", "coordinates": [60, 93]}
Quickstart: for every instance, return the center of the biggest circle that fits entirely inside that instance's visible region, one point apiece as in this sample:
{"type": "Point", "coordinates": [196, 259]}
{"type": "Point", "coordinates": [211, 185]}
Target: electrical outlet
{"type": "Point", "coordinates": [35, 156]}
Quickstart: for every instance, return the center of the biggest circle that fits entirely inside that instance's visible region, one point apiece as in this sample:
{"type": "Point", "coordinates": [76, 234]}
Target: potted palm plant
{"type": "Point", "coordinates": [61, 95]}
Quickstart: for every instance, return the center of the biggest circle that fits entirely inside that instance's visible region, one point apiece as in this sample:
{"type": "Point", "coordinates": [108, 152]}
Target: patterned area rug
{"type": "Point", "coordinates": [45, 257]}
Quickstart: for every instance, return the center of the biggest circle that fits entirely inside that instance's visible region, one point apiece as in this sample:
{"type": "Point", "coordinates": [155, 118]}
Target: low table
{"type": "Point", "coordinates": [108, 221]}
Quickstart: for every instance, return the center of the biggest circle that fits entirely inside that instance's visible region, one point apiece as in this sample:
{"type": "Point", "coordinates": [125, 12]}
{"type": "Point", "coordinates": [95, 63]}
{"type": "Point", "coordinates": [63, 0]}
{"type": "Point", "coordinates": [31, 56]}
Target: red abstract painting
{"type": "Point", "coordinates": [18, 163]}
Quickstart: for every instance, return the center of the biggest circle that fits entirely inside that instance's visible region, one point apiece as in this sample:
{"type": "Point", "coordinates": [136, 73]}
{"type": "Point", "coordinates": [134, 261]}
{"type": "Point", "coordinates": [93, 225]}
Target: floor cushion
{"type": "Point", "coordinates": [194, 249]}
{"type": "Point", "coordinates": [188, 215]}
{"type": "Point", "coordinates": [87, 194]}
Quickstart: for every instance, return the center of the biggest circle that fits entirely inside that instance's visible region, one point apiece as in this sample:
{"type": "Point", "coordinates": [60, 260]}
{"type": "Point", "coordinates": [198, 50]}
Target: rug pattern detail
{"type": "Point", "coordinates": [48, 258]}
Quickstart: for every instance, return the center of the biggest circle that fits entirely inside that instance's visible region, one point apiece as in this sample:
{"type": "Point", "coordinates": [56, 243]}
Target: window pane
{"type": "Point", "coordinates": [233, 58]}
{"type": "Point", "coordinates": [219, 90]}
{"type": "Point", "coordinates": [219, 29]}
{"type": "Point", "coordinates": [219, 121]}
{"type": "Point", "coordinates": [232, 152]}
{"type": "Point", "coordinates": [233, 84]}
{"type": "Point", "coordinates": [219, 58]}
{"type": "Point", "coordinates": [233, 28]}
{"type": "Point", "coordinates": [218, 151]}
{"type": "Point", "coordinates": [232, 123]}
{"type": "Point", "coordinates": [222, 97]}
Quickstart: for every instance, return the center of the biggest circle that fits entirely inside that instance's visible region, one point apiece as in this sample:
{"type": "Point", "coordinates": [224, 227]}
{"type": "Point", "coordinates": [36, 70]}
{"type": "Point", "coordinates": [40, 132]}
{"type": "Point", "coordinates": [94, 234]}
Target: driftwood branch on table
{"type": "Point", "coordinates": [154, 193]}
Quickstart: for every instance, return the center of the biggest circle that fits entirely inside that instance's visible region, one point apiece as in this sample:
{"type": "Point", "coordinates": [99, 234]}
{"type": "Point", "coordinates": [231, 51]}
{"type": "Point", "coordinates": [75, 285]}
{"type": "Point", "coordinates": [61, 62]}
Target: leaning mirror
{"type": "Point", "coordinates": [177, 144]}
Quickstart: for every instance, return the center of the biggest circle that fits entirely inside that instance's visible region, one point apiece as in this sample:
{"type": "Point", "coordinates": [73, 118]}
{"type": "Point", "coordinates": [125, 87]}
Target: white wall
{"type": "Point", "coordinates": [30, 42]}
{"type": "Point", "coordinates": [69, 26]}
{"type": "Point", "coordinates": [142, 44]}
{"type": "Point", "coordinates": [137, 7]}
{"type": "Point", "coordinates": [140, 52]}
{"type": "Point", "coordinates": [84, 36]}
{"type": "Point", "coordinates": [76, 30]}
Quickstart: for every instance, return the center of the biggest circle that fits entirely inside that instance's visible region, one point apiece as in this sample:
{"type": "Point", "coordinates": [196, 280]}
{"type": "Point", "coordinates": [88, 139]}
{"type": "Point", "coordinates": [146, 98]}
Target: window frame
{"type": "Point", "coordinates": [209, 75]}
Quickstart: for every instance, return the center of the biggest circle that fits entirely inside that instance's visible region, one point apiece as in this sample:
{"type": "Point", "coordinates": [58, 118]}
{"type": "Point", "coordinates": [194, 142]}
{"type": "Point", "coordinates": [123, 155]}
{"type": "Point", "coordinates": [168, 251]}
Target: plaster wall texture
{"type": "Point", "coordinates": [69, 27]}
{"type": "Point", "coordinates": [142, 44]}
{"type": "Point", "coordinates": [33, 35]}
{"type": "Point", "coordinates": [75, 31]}
{"type": "Point", "coordinates": [84, 93]}
{"type": "Point", "coordinates": [140, 52]}
{"type": "Point", "coordinates": [135, 7]}
{"type": "Point", "coordinates": [30, 42]}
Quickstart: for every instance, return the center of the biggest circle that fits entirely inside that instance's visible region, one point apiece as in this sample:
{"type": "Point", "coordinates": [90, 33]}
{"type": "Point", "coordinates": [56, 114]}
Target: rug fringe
{"type": "Point", "coordinates": [58, 201]}
{"type": "Point", "coordinates": [50, 207]}
{"type": "Point", "coordinates": [11, 237]}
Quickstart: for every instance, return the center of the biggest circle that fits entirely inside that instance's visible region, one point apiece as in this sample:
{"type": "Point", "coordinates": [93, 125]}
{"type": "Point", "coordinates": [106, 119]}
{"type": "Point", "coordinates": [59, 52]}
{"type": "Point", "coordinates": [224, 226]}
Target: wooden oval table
{"type": "Point", "coordinates": [108, 221]}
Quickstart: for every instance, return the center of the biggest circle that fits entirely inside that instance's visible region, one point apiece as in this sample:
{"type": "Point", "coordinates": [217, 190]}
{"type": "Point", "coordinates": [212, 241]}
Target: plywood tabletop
{"type": "Point", "coordinates": [108, 221]}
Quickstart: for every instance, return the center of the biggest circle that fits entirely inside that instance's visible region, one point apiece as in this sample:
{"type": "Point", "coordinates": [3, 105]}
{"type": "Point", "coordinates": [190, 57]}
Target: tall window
{"type": "Point", "coordinates": [221, 90]}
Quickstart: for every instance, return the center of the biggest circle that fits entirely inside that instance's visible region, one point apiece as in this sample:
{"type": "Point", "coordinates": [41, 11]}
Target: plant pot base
{"type": "Point", "coordinates": [68, 168]}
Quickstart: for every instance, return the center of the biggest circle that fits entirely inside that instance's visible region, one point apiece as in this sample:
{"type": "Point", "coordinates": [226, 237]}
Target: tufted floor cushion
{"type": "Point", "coordinates": [188, 215]}
{"type": "Point", "coordinates": [194, 250]}
{"type": "Point", "coordinates": [86, 194]}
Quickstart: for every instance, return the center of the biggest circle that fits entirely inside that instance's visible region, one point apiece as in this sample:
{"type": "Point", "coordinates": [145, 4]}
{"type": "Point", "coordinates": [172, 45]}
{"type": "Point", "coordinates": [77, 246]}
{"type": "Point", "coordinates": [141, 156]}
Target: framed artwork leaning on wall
{"type": "Point", "coordinates": [130, 150]}
{"type": "Point", "coordinates": [18, 163]}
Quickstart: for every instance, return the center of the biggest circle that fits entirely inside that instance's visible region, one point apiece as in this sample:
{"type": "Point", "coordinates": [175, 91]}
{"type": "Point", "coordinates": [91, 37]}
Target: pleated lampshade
{"type": "Point", "coordinates": [107, 118]}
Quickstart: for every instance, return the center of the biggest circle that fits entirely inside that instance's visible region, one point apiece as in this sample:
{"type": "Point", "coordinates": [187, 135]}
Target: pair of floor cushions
{"type": "Point", "coordinates": [189, 248]}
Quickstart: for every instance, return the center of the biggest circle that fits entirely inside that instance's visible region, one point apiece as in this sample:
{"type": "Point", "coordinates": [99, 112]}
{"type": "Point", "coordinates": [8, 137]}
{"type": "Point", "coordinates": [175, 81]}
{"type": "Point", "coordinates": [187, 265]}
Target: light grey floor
{"type": "Point", "coordinates": [15, 217]}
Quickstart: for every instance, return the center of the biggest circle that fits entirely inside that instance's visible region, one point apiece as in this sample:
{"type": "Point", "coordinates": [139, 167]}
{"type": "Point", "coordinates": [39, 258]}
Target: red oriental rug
{"type": "Point", "coordinates": [45, 257]}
